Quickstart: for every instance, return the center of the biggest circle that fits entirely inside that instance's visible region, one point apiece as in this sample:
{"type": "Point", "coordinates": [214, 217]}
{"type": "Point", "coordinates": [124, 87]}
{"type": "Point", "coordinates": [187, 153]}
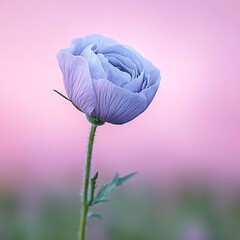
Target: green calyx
{"type": "Point", "coordinates": [94, 121]}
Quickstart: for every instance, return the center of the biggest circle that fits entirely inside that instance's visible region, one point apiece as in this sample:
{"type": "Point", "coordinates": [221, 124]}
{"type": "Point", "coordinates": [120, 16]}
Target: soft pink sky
{"type": "Point", "coordinates": [192, 128]}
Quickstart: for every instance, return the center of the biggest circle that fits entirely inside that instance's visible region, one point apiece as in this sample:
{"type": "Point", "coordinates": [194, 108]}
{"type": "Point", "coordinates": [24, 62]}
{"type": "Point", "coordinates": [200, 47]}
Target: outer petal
{"type": "Point", "coordinates": [99, 41]}
{"type": "Point", "coordinates": [77, 81]}
{"type": "Point", "coordinates": [154, 77]}
{"type": "Point", "coordinates": [151, 85]}
{"type": "Point", "coordinates": [151, 79]}
{"type": "Point", "coordinates": [117, 105]}
{"type": "Point", "coordinates": [150, 92]}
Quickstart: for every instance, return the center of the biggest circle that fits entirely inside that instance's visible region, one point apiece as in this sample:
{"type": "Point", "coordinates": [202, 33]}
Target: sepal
{"type": "Point", "coordinates": [61, 95]}
{"type": "Point", "coordinates": [95, 121]}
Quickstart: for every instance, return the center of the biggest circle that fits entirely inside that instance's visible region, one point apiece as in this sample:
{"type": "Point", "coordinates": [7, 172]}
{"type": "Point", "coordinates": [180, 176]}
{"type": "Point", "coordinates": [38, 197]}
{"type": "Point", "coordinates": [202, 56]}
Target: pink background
{"type": "Point", "coordinates": [190, 131]}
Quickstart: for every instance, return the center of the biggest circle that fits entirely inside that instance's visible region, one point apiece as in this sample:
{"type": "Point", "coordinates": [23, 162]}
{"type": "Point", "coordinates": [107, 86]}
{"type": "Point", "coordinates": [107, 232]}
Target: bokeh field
{"type": "Point", "coordinates": [138, 213]}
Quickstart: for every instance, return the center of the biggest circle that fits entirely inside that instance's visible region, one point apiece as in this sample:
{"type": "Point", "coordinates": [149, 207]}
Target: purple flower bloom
{"type": "Point", "coordinates": [107, 80]}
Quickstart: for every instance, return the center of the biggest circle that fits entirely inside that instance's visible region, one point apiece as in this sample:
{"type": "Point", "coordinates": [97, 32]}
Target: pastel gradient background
{"type": "Point", "coordinates": [190, 131]}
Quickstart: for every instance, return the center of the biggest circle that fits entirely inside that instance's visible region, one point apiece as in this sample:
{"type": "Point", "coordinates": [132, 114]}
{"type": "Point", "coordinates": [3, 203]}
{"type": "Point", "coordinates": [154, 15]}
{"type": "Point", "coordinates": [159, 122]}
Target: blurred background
{"type": "Point", "coordinates": [186, 146]}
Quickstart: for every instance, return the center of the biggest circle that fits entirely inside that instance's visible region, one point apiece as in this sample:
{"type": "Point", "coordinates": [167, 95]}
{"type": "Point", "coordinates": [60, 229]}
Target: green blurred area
{"type": "Point", "coordinates": [186, 214]}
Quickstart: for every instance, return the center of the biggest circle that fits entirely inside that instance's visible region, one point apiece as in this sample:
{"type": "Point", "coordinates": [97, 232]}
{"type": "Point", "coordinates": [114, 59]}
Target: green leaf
{"type": "Point", "coordinates": [102, 195]}
{"type": "Point", "coordinates": [120, 181]}
{"type": "Point", "coordinates": [92, 189]}
{"type": "Point", "coordinates": [61, 95]}
{"type": "Point", "coordinates": [95, 215]}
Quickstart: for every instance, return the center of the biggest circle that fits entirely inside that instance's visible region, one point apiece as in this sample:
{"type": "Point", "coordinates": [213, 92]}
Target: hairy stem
{"type": "Point", "coordinates": [84, 210]}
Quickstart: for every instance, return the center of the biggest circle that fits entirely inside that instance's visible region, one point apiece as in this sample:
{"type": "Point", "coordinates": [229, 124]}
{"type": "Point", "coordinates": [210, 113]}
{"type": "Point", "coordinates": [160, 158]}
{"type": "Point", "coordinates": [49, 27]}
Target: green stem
{"type": "Point", "coordinates": [84, 210]}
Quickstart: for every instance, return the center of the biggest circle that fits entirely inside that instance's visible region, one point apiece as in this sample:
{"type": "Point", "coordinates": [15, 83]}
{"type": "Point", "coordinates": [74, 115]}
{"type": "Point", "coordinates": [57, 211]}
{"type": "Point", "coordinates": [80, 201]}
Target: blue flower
{"type": "Point", "coordinates": [107, 80]}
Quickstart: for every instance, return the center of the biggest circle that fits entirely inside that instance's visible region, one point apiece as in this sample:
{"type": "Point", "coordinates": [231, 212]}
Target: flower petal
{"type": "Point", "coordinates": [148, 67]}
{"type": "Point", "coordinates": [135, 85]}
{"type": "Point", "coordinates": [154, 77]}
{"type": "Point", "coordinates": [99, 41]}
{"type": "Point", "coordinates": [114, 75]}
{"type": "Point", "coordinates": [150, 92]}
{"type": "Point", "coordinates": [117, 105]}
{"type": "Point", "coordinates": [123, 63]}
{"type": "Point", "coordinates": [120, 50]}
{"type": "Point", "coordinates": [77, 81]}
{"type": "Point", "coordinates": [94, 63]}
{"type": "Point", "coordinates": [151, 84]}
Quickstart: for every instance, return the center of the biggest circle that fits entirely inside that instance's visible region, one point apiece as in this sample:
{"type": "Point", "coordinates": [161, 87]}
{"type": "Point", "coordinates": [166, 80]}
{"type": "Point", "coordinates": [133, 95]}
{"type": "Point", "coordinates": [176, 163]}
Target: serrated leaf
{"type": "Point", "coordinates": [102, 195]}
{"type": "Point", "coordinates": [61, 95]}
{"type": "Point", "coordinates": [92, 189]}
{"type": "Point", "coordinates": [95, 215]}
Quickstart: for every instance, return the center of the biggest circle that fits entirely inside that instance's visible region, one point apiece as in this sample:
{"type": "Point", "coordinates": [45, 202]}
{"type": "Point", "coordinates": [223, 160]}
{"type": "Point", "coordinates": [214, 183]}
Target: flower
{"type": "Point", "coordinates": [107, 80]}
